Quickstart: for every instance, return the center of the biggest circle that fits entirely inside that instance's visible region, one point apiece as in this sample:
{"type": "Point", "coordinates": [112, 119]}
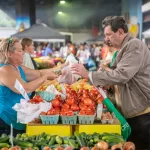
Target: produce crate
{"type": "Point", "coordinates": [58, 129]}
{"type": "Point", "coordinates": [99, 128]}
{"type": "Point", "coordinates": [86, 119]}
{"type": "Point", "coordinates": [69, 119]}
{"type": "Point", "coordinates": [47, 96]}
{"type": "Point", "coordinates": [49, 119]}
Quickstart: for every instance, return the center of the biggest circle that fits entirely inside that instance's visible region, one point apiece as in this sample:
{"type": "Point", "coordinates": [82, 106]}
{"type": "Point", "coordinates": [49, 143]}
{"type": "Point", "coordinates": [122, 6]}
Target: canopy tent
{"type": "Point", "coordinates": [99, 38]}
{"type": "Point", "coordinates": [42, 33]}
{"type": "Point", "coordinates": [146, 34]}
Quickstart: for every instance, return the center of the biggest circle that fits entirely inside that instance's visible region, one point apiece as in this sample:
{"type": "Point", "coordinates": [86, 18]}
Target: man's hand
{"type": "Point", "coordinates": [79, 69]}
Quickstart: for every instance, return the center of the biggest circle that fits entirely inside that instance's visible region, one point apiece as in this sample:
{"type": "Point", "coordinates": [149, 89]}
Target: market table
{"type": "Point", "coordinates": [68, 130]}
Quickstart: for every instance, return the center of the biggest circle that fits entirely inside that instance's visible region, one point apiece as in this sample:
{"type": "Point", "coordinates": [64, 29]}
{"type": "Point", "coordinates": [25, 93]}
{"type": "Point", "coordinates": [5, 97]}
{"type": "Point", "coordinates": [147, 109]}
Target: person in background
{"type": "Point", "coordinates": [64, 50]}
{"type": "Point", "coordinates": [96, 54]}
{"type": "Point", "coordinates": [28, 48]}
{"type": "Point", "coordinates": [131, 72]}
{"type": "Point", "coordinates": [11, 69]}
{"type": "Point", "coordinates": [48, 50]}
{"type": "Point", "coordinates": [83, 55]}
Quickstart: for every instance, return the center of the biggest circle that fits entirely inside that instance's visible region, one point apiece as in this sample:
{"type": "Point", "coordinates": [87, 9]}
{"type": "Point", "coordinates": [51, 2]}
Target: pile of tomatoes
{"type": "Point", "coordinates": [83, 101]}
{"type": "Point", "coordinates": [36, 100]}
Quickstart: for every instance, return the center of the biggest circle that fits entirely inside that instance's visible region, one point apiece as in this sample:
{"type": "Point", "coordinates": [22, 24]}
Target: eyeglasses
{"type": "Point", "coordinates": [10, 40]}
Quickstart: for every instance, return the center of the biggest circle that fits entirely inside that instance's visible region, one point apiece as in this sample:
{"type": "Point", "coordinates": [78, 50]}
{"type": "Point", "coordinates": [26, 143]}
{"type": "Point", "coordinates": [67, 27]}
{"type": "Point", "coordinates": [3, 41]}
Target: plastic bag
{"type": "Point", "coordinates": [125, 127]}
{"type": "Point", "coordinates": [91, 64]}
{"type": "Point", "coordinates": [27, 112]}
{"type": "Point", "coordinates": [53, 90]}
{"type": "Point", "coordinates": [67, 76]}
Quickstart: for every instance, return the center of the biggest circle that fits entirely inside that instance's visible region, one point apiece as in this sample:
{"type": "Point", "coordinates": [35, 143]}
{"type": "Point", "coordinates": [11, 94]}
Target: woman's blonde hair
{"type": "Point", "coordinates": [26, 41]}
{"type": "Point", "coordinates": [7, 44]}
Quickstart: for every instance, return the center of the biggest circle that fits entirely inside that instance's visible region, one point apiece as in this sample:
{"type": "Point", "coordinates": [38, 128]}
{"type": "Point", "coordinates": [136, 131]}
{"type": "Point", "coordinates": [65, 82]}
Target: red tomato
{"type": "Point", "coordinates": [74, 107]}
{"type": "Point", "coordinates": [84, 107]}
{"type": "Point", "coordinates": [63, 113]}
{"type": "Point", "coordinates": [82, 112]}
{"type": "Point", "coordinates": [70, 113]}
{"type": "Point", "coordinates": [43, 113]}
{"type": "Point", "coordinates": [88, 101]}
{"type": "Point", "coordinates": [55, 103]}
{"type": "Point", "coordinates": [70, 101]}
{"type": "Point", "coordinates": [80, 92]}
{"type": "Point", "coordinates": [66, 106]}
{"type": "Point", "coordinates": [50, 112]}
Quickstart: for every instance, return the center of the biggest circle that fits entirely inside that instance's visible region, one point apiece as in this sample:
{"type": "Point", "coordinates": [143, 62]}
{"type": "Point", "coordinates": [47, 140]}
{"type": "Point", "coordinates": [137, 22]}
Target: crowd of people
{"type": "Point", "coordinates": [122, 61]}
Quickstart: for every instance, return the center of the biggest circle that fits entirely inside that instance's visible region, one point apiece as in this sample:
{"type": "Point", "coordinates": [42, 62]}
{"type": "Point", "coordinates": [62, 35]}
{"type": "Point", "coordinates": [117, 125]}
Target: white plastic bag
{"type": "Point", "coordinates": [27, 112]}
{"type": "Point", "coordinates": [67, 76]}
{"type": "Point", "coordinates": [53, 90]}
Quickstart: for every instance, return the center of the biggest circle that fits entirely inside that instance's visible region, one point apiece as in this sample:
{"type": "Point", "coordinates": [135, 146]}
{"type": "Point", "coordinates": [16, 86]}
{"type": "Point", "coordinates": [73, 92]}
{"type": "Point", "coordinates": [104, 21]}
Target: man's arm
{"type": "Point", "coordinates": [128, 66]}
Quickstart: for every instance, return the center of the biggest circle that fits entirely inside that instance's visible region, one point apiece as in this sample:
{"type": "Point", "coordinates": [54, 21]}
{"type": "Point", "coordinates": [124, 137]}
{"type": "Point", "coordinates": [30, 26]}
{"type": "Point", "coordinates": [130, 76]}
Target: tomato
{"type": "Point", "coordinates": [70, 113]}
{"type": "Point", "coordinates": [81, 105]}
{"type": "Point", "coordinates": [55, 103]}
{"type": "Point", "coordinates": [80, 92]}
{"type": "Point", "coordinates": [70, 101]}
{"type": "Point", "coordinates": [90, 112]}
{"type": "Point", "coordinates": [43, 113]}
{"type": "Point", "coordinates": [82, 112]}
{"type": "Point", "coordinates": [63, 113]}
{"type": "Point", "coordinates": [88, 101]}
{"type": "Point", "coordinates": [64, 109]}
{"type": "Point", "coordinates": [74, 107]}
{"type": "Point", "coordinates": [50, 112]}
{"type": "Point", "coordinates": [84, 107]}
{"type": "Point", "coordinates": [66, 106]}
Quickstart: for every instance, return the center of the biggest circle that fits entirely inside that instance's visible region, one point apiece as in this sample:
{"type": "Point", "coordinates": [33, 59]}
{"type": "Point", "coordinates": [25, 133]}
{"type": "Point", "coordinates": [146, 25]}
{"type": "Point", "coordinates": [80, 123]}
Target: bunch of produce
{"type": "Point", "coordinates": [81, 141]}
{"type": "Point", "coordinates": [47, 62]}
{"type": "Point", "coordinates": [36, 100]}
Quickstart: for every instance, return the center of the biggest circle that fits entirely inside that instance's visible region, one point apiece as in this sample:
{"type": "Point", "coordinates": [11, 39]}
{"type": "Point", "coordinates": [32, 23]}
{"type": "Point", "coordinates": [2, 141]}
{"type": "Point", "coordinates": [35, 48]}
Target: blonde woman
{"type": "Point", "coordinates": [11, 59]}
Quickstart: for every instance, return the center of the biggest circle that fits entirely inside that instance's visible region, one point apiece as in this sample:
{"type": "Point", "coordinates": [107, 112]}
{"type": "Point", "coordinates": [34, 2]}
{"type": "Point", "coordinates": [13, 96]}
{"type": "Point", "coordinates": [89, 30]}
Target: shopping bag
{"type": "Point", "coordinates": [66, 75]}
{"type": "Point", "coordinates": [125, 127]}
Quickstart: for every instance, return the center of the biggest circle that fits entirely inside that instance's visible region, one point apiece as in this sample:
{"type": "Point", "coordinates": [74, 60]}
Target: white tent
{"type": "Point", "coordinates": [146, 34]}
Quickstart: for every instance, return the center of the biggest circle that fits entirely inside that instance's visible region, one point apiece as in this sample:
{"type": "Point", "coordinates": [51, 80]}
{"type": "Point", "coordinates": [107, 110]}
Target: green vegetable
{"type": "Point", "coordinates": [52, 141]}
{"type": "Point", "coordinates": [80, 140]}
{"type": "Point", "coordinates": [4, 139]}
{"type": "Point", "coordinates": [35, 148]}
{"type": "Point", "coordinates": [72, 143]}
{"type": "Point", "coordinates": [65, 140]}
{"type": "Point", "coordinates": [4, 145]}
{"type": "Point", "coordinates": [24, 135]}
{"type": "Point", "coordinates": [59, 140]}
{"type": "Point", "coordinates": [23, 143]}
{"type": "Point", "coordinates": [48, 137]}
{"type": "Point", "coordinates": [112, 137]}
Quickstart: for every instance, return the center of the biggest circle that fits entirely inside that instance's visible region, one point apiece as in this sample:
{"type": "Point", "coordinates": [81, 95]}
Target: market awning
{"type": "Point", "coordinates": [96, 39]}
{"type": "Point", "coordinates": [146, 34]}
{"type": "Point", "coordinates": [41, 32]}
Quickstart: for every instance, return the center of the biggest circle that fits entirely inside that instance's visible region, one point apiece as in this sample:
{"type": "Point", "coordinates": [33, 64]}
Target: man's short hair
{"type": "Point", "coordinates": [115, 22]}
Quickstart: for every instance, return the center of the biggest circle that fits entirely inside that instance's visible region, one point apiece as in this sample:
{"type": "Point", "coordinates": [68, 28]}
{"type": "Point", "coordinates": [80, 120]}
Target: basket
{"type": "Point", "coordinates": [69, 119]}
{"type": "Point", "coordinates": [86, 119]}
{"type": "Point", "coordinates": [49, 119]}
{"type": "Point", "coordinates": [47, 96]}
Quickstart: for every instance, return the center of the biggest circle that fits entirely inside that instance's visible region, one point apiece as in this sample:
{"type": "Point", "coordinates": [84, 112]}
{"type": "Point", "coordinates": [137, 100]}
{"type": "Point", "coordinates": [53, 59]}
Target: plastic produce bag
{"type": "Point", "coordinates": [125, 127]}
{"type": "Point", "coordinates": [27, 112]}
{"type": "Point", "coordinates": [91, 64]}
{"type": "Point", "coordinates": [67, 76]}
{"type": "Point", "coordinates": [52, 89]}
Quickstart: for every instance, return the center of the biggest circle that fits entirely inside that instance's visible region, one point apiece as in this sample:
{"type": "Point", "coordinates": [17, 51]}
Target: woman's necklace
{"type": "Point", "coordinates": [14, 68]}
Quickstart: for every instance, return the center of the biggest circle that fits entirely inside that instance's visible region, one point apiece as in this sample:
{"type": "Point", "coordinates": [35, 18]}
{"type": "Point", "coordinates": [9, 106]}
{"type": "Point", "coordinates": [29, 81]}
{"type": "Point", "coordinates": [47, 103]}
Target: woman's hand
{"type": "Point", "coordinates": [52, 75]}
{"type": "Point", "coordinates": [79, 69]}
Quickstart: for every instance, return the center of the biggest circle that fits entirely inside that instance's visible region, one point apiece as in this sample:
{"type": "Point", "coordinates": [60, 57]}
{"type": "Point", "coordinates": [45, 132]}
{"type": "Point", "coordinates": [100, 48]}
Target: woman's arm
{"type": "Point", "coordinates": [9, 81]}
{"type": "Point", "coordinates": [35, 74]}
